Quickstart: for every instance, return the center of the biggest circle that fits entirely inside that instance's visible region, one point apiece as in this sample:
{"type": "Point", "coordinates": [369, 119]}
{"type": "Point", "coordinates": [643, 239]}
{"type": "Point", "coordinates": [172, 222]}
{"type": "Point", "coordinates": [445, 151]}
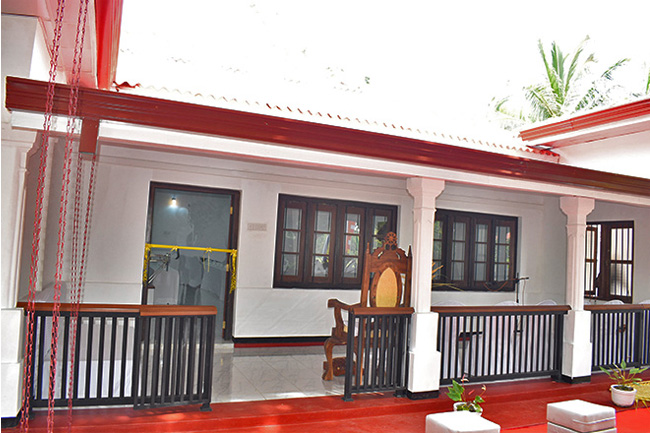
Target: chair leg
{"type": "Point", "coordinates": [329, 371]}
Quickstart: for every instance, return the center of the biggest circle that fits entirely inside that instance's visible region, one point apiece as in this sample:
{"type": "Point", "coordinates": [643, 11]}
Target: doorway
{"type": "Point", "coordinates": [191, 248]}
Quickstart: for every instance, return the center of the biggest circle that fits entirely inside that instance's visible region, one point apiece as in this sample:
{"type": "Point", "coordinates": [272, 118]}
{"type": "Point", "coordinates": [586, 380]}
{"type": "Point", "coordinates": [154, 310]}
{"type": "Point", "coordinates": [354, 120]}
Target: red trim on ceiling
{"type": "Point", "coordinates": [108, 21]}
{"type": "Point", "coordinates": [29, 95]}
{"type": "Point", "coordinates": [599, 118]}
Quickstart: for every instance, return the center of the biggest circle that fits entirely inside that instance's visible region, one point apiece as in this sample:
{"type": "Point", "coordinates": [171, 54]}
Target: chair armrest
{"type": "Point", "coordinates": [340, 328]}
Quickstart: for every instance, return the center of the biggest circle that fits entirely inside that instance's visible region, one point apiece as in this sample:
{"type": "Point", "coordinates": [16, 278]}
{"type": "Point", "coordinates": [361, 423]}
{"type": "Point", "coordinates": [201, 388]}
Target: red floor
{"type": "Point", "coordinates": [518, 406]}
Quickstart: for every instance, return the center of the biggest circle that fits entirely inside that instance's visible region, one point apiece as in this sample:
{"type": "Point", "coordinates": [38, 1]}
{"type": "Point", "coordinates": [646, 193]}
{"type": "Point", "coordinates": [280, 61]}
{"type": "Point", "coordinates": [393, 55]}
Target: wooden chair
{"type": "Point", "coordinates": [386, 282]}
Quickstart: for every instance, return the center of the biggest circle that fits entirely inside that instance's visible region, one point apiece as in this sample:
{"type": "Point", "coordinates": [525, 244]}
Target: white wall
{"type": "Point", "coordinates": [628, 154]}
{"type": "Point", "coordinates": [641, 216]}
{"type": "Point", "coordinates": [116, 246]}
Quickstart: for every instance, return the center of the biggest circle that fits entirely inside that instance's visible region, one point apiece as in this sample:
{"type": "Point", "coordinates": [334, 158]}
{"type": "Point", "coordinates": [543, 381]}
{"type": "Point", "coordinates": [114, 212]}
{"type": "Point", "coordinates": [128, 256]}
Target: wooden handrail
{"type": "Point", "coordinates": [500, 309]}
{"type": "Point", "coordinates": [381, 311]}
{"type": "Point", "coordinates": [614, 307]}
{"type": "Point", "coordinates": [143, 310]}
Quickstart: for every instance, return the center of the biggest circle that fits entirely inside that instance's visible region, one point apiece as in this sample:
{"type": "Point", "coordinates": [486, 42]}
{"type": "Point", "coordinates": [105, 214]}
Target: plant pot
{"type": "Point", "coordinates": [464, 407]}
{"type": "Point", "coordinates": [622, 397]}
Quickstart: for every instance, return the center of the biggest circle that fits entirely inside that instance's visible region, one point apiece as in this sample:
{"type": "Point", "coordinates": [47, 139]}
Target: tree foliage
{"type": "Point", "coordinates": [570, 85]}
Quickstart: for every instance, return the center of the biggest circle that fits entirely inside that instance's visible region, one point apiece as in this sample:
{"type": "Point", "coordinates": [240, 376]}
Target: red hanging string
{"type": "Point", "coordinates": [63, 209]}
{"type": "Point", "coordinates": [38, 212]}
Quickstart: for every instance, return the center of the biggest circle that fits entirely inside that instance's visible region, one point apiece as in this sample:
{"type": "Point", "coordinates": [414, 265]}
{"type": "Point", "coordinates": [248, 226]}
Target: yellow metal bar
{"type": "Point", "coordinates": [176, 247]}
{"type": "Point", "coordinates": [232, 253]}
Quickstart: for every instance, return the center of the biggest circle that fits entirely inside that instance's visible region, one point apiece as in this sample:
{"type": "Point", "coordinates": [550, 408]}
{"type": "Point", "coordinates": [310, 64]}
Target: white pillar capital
{"type": "Point", "coordinates": [424, 191]}
{"type": "Point", "coordinates": [576, 208]}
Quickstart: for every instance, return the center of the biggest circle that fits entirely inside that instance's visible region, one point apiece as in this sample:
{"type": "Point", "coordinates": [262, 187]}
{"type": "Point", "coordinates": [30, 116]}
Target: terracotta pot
{"type": "Point", "coordinates": [621, 397]}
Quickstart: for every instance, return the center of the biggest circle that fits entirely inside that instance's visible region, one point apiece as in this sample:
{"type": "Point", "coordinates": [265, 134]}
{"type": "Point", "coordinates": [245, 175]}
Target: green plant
{"type": "Point", "coordinates": [457, 393]}
{"type": "Point", "coordinates": [623, 377]}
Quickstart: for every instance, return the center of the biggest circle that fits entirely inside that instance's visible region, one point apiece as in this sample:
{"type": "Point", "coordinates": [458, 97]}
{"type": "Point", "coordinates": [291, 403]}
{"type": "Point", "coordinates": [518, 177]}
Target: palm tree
{"type": "Point", "coordinates": [569, 86]}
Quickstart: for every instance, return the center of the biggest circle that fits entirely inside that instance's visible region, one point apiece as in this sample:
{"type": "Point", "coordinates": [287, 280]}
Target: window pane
{"type": "Point", "coordinates": [479, 271]}
{"type": "Point", "coordinates": [292, 218]}
{"type": "Point", "coordinates": [352, 222]}
{"type": "Point", "coordinates": [501, 272]}
{"type": "Point", "coordinates": [321, 243]}
{"type": "Point", "coordinates": [351, 245]}
{"type": "Point", "coordinates": [350, 265]}
{"type": "Point", "coordinates": [457, 271]}
{"type": "Point", "coordinates": [323, 221]}
{"type": "Point", "coordinates": [481, 252]}
{"type": "Point", "coordinates": [459, 231]}
{"type": "Point", "coordinates": [291, 242]}
{"type": "Point", "coordinates": [289, 264]}
{"type": "Point", "coordinates": [503, 234]}
{"type": "Point", "coordinates": [458, 251]}
{"type": "Point", "coordinates": [379, 226]}
{"type": "Point", "coordinates": [321, 265]}
{"type": "Point", "coordinates": [481, 232]}
{"type": "Point", "coordinates": [437, 250]}
{"type": "Point", "coordinates": [502, 253]}
{"type": "Point", "coordinates": [437, 230]}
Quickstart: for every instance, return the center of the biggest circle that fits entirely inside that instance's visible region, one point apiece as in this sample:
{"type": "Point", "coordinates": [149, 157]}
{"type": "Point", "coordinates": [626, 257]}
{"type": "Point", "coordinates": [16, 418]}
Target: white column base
{"type": "Point", "coordinates": [576, 355]}
{"type": "Point", "coordinates": [11, 373]}
{"type": "Point", "coordinates": [424, 359]}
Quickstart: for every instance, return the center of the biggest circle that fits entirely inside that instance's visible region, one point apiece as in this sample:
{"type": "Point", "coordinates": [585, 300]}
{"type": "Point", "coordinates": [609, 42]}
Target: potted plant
{"type": "Point", "coordinates": [464, 401]}
{"type": "Point", "coordinates": [623, 391]}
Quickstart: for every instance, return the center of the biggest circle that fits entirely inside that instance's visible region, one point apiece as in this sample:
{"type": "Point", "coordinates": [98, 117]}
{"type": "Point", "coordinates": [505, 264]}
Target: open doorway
{"type": "Point", "coordinates": [191, 249]}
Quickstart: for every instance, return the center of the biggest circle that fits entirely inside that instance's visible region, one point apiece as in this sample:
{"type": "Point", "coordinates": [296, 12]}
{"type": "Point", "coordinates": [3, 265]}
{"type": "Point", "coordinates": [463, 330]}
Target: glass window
{"type": "Point", "coordinates": [609, 260]}
{"type": "Point", "coordinates": [321, 243]}
{"type": "Point", "coordinates": [473, 251]}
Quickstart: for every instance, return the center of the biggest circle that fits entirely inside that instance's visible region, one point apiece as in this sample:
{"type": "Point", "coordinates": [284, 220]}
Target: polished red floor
{"type": "Point", "coordinates": [518, 406]}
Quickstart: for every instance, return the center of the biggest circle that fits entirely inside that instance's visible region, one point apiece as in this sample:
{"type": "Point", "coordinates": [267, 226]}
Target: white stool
{"type": "Point", "coordinates": [459, 422]}
{"type": "Point", "coordinates": [580, 416]}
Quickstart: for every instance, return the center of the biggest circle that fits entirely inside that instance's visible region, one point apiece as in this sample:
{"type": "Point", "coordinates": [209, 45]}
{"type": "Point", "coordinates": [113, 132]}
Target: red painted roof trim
{"type": "Point", "coordinates": [29, 95]}
{"type": "Point", "coordinates": [590, 120]}
{"type": "Point", "coordinates": [108, 22]}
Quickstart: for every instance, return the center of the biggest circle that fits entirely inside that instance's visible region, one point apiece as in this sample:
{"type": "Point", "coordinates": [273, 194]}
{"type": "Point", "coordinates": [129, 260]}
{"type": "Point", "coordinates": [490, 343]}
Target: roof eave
{"type": "Point", "coordinates": [28, 95]}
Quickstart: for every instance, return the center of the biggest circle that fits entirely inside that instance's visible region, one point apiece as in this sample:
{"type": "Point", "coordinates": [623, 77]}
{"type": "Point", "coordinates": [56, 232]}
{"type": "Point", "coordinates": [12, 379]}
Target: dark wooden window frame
{"type": "Point", "coordinates": [442, 279]}
{"type": "Point", "coordinates": [598, 282]}
{"type": "Point", "coordinates": [337, 252]}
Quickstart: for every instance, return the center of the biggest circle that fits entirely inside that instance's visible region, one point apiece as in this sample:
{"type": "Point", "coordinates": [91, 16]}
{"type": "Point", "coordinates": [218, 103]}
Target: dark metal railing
{"type": "Point", "coordinates": [377, 348]}
{"type": "Point", "coordinates": [103, 356]}
{"type": "Point", "coordinates": [620, 333]}
{"type": "Point", "coordinates": [500, 342]}
{"type": "Point", "coordinates": [109, 346]}
{"type": "Point", "coordinates": [174, 357]}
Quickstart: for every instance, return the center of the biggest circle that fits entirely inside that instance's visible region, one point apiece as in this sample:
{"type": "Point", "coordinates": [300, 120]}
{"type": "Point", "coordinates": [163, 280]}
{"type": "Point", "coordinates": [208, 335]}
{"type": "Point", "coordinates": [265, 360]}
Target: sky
{"type": "Point", "coordinates": [418, 63]}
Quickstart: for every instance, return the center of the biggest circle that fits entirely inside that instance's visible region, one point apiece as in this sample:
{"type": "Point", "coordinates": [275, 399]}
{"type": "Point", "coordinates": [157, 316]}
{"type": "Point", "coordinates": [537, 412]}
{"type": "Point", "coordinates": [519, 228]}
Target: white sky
{"type": "Point", "coordinates": [429, 63]}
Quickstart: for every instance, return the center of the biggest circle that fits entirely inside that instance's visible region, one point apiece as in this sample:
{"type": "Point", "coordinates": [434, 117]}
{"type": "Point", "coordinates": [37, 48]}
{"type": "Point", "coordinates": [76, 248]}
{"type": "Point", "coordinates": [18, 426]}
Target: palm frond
{"type": "Point", "coordinates": [552, 71]}
{"type": "Point", "coordinates": [607, 75]}
{"type": "Point", "coordinates": [575, 63]}
{"type": "Point", "coordinates": [542, 107]}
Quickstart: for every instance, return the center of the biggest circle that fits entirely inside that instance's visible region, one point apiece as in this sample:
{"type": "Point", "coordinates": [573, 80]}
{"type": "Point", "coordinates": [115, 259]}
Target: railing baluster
{"type": "Point", "coordinates": [89, 355]}
{"type": "Point", "coordinates": [111, 365]}
{"type": "Point", "coordinates": [100, 356]}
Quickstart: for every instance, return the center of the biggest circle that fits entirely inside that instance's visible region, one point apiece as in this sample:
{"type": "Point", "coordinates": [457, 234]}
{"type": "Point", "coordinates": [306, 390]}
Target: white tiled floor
{"type": "Point", "coordinates": [271, 373]}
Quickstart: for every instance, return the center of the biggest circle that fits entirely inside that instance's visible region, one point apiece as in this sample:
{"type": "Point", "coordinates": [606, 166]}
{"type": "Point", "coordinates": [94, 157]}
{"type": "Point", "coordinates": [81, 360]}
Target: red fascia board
{"type": "Point", "coordinates": [108, 22]}
{"type": "Point", "coordinates": [28, 95]}
{"type": "Point", "coordinates": [590, 120]}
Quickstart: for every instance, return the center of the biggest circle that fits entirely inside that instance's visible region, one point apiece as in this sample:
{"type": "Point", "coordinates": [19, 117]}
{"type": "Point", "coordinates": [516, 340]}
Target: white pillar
{"type": "Point", "coordinates": [424, 359]}
{"type": "Point", "coordinates": [14, 160]}
{"type": "Point", "coordinates": [576, 357]}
